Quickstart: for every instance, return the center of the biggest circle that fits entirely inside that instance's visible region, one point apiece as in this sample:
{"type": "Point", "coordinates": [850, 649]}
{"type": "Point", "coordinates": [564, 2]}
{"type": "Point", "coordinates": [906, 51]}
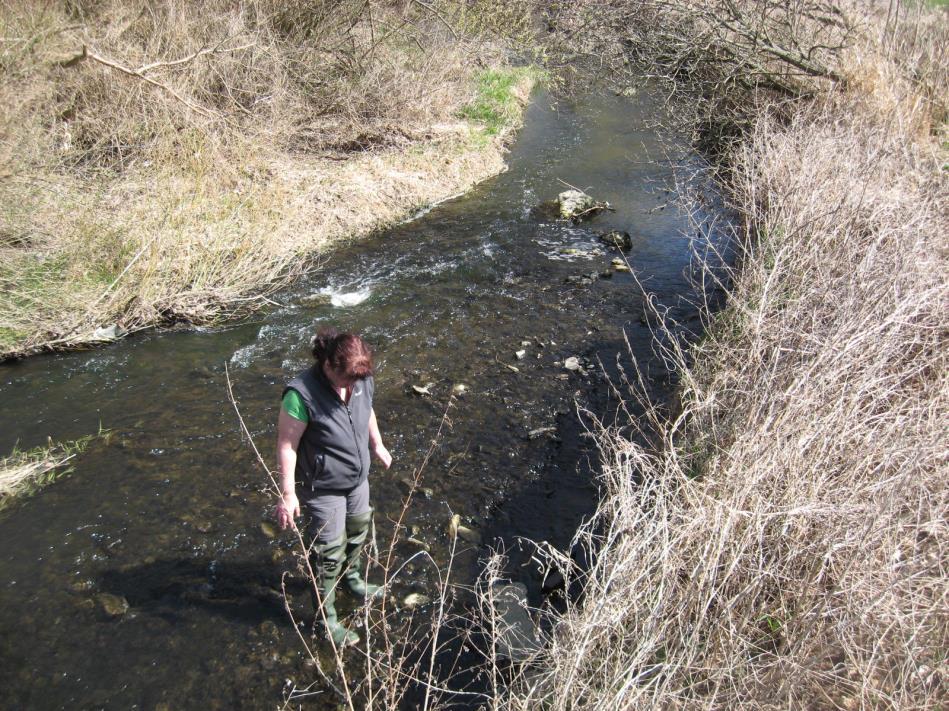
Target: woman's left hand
{"type": "Point", "coordinates": [383, 455]}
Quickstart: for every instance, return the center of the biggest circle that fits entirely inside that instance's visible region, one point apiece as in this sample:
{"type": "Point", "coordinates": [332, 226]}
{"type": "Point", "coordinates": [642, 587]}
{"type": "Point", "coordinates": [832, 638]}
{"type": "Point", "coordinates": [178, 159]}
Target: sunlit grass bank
{"type": "Point", "coordinates": [180, 161]}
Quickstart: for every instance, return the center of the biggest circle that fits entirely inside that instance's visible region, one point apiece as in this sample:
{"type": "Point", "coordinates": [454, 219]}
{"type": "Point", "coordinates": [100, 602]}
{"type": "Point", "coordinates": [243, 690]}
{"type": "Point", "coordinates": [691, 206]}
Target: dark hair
{"type": "Point", "coordinates": [345, 352]}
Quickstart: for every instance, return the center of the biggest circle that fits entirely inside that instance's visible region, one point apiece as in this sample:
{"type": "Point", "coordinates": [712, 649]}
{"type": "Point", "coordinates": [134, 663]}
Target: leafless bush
{"type": "Point", "coordinates": [718, 61]}
{"type": "Point", "coordinates": [122, 77]}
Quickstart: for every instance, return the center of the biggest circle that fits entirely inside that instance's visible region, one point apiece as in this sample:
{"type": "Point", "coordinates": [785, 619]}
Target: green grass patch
{"type": "Point", "coordinates": [496, 105]}
{"type": "Point", "coordinates": [25, 472]}
{"type": "Point", "coordinates": [10, 338]}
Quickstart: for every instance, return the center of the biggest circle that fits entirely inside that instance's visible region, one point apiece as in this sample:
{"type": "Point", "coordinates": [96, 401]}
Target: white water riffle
{"type": "Point", "coordinates": [342, 299]}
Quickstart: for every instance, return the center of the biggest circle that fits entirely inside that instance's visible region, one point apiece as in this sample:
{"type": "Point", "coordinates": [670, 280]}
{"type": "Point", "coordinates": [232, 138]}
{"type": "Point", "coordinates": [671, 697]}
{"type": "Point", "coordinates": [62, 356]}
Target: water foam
{"type": "Point", "coordinates": [343, 299]}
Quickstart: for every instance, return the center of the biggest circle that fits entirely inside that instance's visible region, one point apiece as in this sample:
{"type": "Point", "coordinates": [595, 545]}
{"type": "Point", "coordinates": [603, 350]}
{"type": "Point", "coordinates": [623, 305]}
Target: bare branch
{"type": "Point", "coordinates": [112, 64]}
{"type": "Point", "coordinates": [190, 58]}
{"type": "Point", "coordinates": [436, 13]}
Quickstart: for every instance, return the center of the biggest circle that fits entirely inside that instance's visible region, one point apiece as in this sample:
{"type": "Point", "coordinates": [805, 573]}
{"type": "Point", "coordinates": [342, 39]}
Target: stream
{"type": "Point", "coordinates": [166, 512]}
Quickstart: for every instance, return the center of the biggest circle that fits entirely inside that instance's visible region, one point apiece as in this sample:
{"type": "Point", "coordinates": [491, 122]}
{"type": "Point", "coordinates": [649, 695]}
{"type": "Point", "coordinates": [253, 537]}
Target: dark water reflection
{"type": "Point", "coordinates": [167, 513]}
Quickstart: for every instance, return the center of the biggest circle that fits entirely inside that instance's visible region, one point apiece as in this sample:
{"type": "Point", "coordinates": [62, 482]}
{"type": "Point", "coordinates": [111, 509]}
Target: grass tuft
{"type": "Point", "coordinates": [23, 473]}
{"type": "Point", "coordinates": [500, 96]}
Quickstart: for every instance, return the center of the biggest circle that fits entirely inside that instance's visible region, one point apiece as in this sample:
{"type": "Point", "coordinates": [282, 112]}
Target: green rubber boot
{"type": "Point", "coordinates": [329, 561]}
{"type": "Point", "coordinates": [357, 530]}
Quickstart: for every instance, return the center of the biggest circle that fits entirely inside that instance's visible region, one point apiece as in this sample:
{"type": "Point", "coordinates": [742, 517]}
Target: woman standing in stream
{"type": "Point", "coordinates": [325, 433]}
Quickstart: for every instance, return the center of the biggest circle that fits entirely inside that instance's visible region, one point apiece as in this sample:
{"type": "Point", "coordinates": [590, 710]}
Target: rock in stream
{"type": "Point", "coordinates": [577, 205]}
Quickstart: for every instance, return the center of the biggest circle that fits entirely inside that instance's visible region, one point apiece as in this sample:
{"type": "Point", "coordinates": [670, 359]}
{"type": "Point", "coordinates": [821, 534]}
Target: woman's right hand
{"type": "Point", "coordinates": [287, 509]}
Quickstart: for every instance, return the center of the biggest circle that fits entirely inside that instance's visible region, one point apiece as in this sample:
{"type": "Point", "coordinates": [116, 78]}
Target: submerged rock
{"type": "Point", "coordinates": [420, 543]}
{"type": "Point", "coordinates": [413, 600]}
{"type": "Point", "coordinates": [582, 279]}
{"type": "Point", "coordinates": [318, 299]}
{"type": "Point", "coordinates": [82, 586]}
{"type": "Point", "coordinates": [409, 486]}
{"type": "Point", "coordinates": [268, 529]}
{"type": "Point", "coordinates": [547, 210]}
{"type": "Point", "coordinates": [456, 528]}
{"type": "Point", "coordinates": [203, 526]}
{"type": "Point", "coordinates": [517, 634]}
{"type": "Point", "coordinates": [271, 596]}
{"type": "Point", "coordinates": [108, 333]}
{"type": "Point", "coordinates": [620, 240]}
{"type": "Point", "coordinates": [469, 534]}
{"type": "Point", "coordinates": [534, 434]}
{"type": "Point", "coordinates": [112, 605]}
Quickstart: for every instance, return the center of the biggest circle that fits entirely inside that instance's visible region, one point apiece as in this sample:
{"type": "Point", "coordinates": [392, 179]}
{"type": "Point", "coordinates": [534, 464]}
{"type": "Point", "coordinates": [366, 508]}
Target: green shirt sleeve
{"type": "Point", "coordinates": [293, 404]}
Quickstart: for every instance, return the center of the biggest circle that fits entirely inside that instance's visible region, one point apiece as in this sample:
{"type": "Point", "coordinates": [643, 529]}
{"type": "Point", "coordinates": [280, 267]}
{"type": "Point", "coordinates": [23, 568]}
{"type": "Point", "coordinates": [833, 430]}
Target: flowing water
{"type": "Point", "coordinates": [166, 512]}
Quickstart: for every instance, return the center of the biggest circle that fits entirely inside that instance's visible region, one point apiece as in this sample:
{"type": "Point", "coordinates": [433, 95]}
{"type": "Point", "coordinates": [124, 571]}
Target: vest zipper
{"type": "Point", "coordinates": [352, 426]}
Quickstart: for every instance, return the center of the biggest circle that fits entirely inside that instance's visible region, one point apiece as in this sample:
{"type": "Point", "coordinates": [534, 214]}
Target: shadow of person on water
{"type": "Point", "coordinates": [246, 591]}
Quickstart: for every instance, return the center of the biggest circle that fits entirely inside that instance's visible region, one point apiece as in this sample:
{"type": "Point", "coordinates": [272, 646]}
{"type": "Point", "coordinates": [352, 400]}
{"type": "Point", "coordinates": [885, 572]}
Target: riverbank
{"type": "Point", "coordinates": [782, 544]}
{"type": "Point", "coordinates": [180, 164]}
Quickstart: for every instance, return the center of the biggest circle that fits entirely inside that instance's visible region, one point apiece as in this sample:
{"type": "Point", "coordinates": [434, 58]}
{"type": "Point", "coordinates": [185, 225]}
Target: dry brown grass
{"type": "Point", "coordinates": [783, 545]}
{"type": "Point", "coordinates": [179, 160]}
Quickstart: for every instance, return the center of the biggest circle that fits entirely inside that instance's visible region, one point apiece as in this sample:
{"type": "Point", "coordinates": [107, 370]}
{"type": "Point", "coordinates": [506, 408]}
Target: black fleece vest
{"type": "Point", "coordinates": [333, 453]}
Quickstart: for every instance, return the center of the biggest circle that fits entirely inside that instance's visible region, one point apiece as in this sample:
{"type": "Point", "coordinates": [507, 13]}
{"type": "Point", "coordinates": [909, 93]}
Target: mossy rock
{"type": "Point", "coordinates": [112, 605]}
